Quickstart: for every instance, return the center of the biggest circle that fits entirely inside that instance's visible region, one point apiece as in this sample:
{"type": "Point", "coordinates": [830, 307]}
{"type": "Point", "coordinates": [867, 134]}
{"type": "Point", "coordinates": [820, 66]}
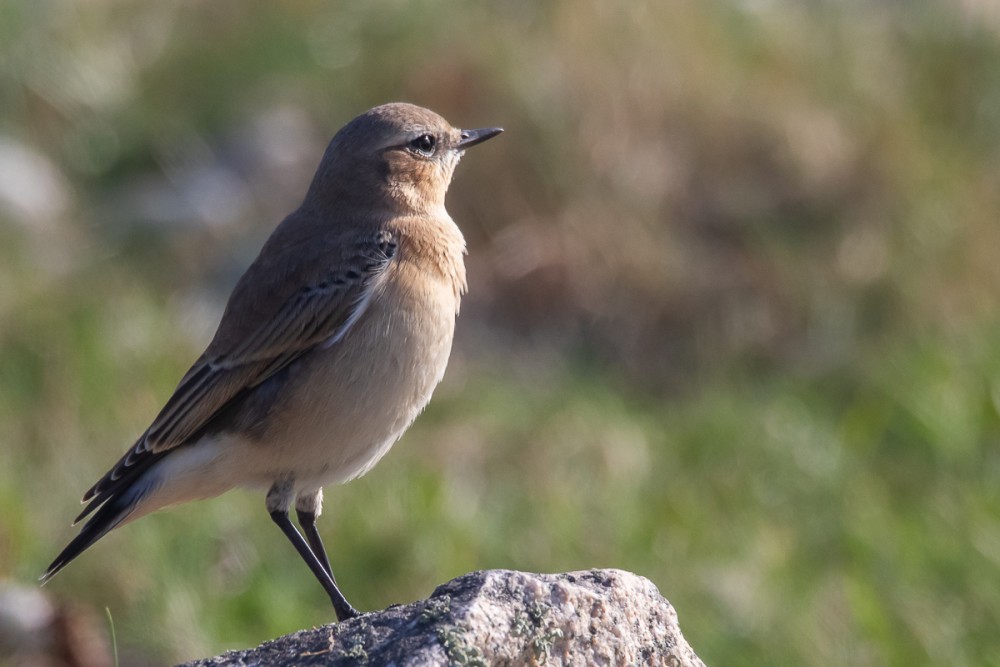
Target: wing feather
{"type": "Point", "coordinates": [317, 313]}
{"type": "Point", "coordinates": [320, 313]}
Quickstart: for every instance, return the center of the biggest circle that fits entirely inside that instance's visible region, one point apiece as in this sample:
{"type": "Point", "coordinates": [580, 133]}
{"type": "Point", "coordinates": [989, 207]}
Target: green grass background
{"type": "Point", "coordinates": [732, 325]}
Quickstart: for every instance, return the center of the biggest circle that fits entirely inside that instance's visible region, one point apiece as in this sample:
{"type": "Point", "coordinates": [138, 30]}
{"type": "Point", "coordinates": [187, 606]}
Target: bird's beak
{"type": "Point", "coordinates": [473, 137]}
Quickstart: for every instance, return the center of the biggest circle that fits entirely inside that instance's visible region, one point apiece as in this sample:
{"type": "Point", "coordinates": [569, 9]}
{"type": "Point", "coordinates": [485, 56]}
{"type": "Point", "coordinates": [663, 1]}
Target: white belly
{"type": "Point", "coordinates": [339, 411]}
{"type": "Point", "coordinates": [350, 410]}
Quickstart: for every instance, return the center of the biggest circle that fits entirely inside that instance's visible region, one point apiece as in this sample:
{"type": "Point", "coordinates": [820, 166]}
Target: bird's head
{"type": "Point", "coordinates": [398, 155]}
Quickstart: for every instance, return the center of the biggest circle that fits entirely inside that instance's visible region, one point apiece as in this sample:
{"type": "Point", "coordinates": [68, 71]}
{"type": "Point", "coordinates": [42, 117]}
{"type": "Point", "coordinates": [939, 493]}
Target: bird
{"type": "Point", "coordinates": [329, 346]}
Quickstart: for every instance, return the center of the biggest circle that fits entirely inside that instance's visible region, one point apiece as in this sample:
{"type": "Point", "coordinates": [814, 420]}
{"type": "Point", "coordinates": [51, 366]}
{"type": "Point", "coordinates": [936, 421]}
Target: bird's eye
{"type": "Point", "coordinates": [424, 144]}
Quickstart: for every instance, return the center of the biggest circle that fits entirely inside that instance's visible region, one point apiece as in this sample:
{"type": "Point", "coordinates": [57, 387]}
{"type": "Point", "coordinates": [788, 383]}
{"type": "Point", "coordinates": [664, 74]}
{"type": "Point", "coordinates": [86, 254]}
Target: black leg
{"type": "Point", "coordinates": [340, 604]}
{"type": "Point", "coordinates": [308, 522]}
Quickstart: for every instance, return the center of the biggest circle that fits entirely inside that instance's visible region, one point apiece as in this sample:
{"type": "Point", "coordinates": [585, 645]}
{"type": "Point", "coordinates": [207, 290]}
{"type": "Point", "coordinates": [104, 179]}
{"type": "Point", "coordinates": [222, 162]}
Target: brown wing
{"type": "Point", "coordinates": [262, 331]}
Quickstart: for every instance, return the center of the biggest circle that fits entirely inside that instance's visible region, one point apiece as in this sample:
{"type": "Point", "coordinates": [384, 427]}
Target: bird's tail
{"type": "Point", "coordinates": [114, 510]}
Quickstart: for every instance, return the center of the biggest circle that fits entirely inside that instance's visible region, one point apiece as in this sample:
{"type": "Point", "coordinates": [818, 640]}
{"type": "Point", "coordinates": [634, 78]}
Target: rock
{"type": "Point", "coordinates": [498, 617]}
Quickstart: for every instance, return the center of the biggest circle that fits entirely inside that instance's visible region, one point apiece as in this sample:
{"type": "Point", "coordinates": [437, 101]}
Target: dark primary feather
{"type": "Point", "coordinates": [110, 514]}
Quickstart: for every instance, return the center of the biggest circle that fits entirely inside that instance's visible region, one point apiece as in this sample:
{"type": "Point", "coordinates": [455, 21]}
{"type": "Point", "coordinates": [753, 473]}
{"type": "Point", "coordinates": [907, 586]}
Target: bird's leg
{"type": "Point", "coordinates": [340, 604]}
{"type": "Point", "coordinates": [279, 494]}
{"type": "Point", "coordinates": [308, 508]}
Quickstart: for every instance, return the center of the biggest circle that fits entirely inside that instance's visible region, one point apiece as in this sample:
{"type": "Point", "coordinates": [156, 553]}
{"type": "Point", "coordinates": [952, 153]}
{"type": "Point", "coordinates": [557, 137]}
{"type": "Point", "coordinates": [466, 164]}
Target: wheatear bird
{"type": "Point", "coordinates": [329, 347]}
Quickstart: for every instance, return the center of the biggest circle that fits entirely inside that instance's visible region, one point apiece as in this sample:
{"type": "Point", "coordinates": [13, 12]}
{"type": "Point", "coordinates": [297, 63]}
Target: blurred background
{"type": "Point", "coordinates": [732, 324]}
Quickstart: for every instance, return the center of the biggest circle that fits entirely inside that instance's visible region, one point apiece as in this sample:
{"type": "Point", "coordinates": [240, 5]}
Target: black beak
{"type": "Point", "coordinates": [473, 137]}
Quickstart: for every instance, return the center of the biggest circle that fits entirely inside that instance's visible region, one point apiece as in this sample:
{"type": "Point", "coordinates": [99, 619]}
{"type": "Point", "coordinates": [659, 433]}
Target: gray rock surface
{"type": "Point", "coordinates": [498, 617]}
